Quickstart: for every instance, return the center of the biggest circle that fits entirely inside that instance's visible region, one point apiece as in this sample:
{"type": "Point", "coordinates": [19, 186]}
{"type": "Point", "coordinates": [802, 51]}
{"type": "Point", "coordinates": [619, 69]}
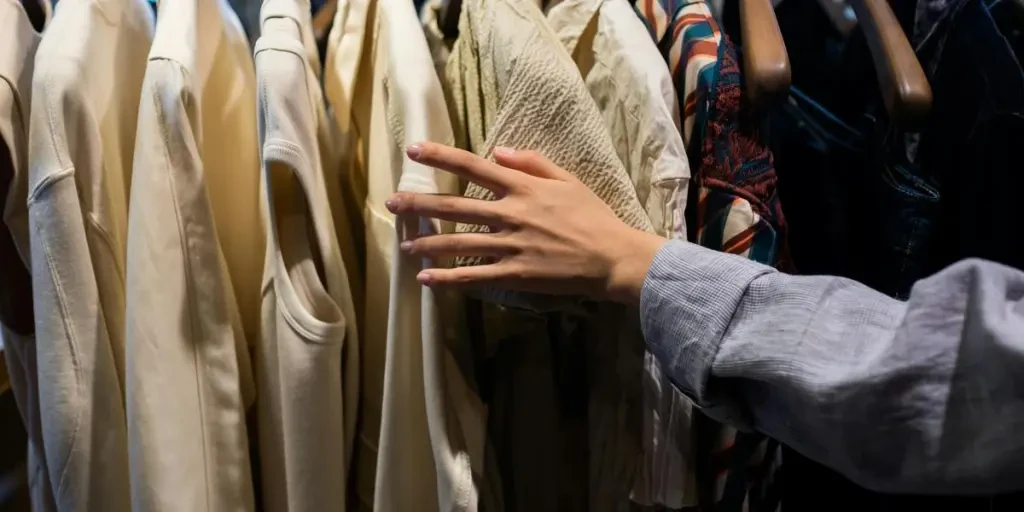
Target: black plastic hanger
{"type": "Point", "coordinates": [449, 19]}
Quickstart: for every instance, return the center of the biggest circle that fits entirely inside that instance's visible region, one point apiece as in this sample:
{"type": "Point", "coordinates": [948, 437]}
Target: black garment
{"type": "Point", "coordinates": [973, 143]}
{"type": "Point", "coordinates": [535, 383]}
{"type": "Point", "coordinates": [886, 207]}
{"type": "Point", "coordinates": [15, 282]}
{"type": "Point", "coordinates": [859, 208]}
{"type": "Point", "coordinates": [900, 205]}
{"type": "Point", "coordinates": [857, 205]}
{"type": "Point", "coordinates": [819, 159]}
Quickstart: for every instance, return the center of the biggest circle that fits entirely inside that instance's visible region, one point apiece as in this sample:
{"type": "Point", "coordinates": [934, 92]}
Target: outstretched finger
{"type": "Point", "coordinates": [446, 207]}
{"type": "Point", "coordinates": [532, 163]}
{"type": "Point", "coordinates": [463, 164]}
{"type": "Point", "coordinates": [462, 276]}
{"type": "Point", "coordinates": [459, 244]}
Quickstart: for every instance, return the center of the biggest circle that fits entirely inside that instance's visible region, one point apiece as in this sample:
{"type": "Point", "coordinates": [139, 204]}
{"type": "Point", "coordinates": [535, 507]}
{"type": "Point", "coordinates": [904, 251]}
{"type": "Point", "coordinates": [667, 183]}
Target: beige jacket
{"type": "Point", "coordinates": [194, 267]}
{"type": "Point", "coordinates": [512, 84]}
{"type": "Point", "coordinates": [88, 78]}
{"type": "Point", "coordinates": [631, 85]}
{"type": "Point", "coordinates": [519, 89]}
{"type": "Point", "coordinates": [305, 435]}
{"type": "Point", "coordinates": [17, 325]}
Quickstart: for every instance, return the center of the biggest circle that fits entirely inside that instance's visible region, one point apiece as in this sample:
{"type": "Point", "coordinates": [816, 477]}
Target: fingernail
{"type": "Point", "coordinates": [391, 205]}
{"type": "Point", "coordinates": [506, 152]}
{"type": "Point", "coordinates": [423, 277]}
{"type": "Point", "coordinates": [406, 245]}
{"type": "Point", "coordinates": [414, 150]}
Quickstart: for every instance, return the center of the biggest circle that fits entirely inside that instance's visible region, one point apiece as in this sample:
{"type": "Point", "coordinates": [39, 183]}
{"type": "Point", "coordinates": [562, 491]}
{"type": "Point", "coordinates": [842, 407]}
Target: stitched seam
{"type": "Point", "coordinates": [295, 324]}
{"type": "Point", "coordinates": [55, 107]}
{"type": "Point", "coordinates": [66, 170]}
{"type": "Point", "coordinates": [190, 293]}
{"type": "Point", "coordinates": [278, 43]}
{"type": "Point", "coordinates": [48, 182]}
{"type": "Point", "coordinates": [286, 147]}
{"type": "Point", "coordinates": [73, 342]}
{"type": "Point", "coordinates": [673, 199]}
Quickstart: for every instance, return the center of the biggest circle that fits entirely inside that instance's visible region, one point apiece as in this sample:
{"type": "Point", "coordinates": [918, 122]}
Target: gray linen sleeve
{"type": "Point", "coordinates": [919, 396]}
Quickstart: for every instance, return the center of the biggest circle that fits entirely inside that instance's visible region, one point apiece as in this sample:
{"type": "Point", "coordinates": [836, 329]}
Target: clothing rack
{"type": "Point", "coordinates": [221, 301]}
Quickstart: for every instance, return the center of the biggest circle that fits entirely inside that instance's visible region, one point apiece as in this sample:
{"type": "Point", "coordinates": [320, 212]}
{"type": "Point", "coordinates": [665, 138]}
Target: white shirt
{"type": "Point", "coordinates": [421, 421]}
{"type": "Point", "coordinates": [88, 77]}
{"type": "Point", "coordinates": [195, 251]}
{"type": "Point", "coordinates": [306, 422]}
{"type": "Point", "coordinates": [425, 389]}
{"type": "Point", "coordinates": [632, 87]}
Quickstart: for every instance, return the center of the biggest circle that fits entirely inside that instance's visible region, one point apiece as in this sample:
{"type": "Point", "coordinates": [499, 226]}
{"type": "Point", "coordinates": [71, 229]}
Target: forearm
{"type": "Point", "coordinates": [912, 397]}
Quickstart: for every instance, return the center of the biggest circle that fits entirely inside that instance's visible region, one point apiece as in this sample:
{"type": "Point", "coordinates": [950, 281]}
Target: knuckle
{"type": "Point", "coordinates": [515, 213]}
{"type": "Point", "coordinates": [423, 246]}
{"type": "Point", "coordinates": [513, 272]}
{"type": "Point", "coordinates": [453, 244]}
{"type": "Point", "coordinates": [524, 188]}
{"type": "Point", "coordinates": [504, 218]}
{"type": "Point", "coordinates": [512, 245]}
{"type": "Point", "coordinates": [406, 202]}
{"type": "Point", "coordinates": [446, 204]}
{"type": "Point", "coordinates": [462, 278]}
{"type": "Point", "coordinates": [530, 155]}
{"type": "Point", "coordinates": [463, 160]}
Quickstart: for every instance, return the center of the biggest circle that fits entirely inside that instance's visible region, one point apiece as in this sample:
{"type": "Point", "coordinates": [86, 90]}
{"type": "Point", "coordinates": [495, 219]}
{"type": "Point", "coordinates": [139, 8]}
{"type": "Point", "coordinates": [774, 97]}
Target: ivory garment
{"type": "Point", "coordinates": [85, 104]}
{"type": "Point", "coordinates": [195, 251]}
{"type": "Point", "coordinates": [306, 406]}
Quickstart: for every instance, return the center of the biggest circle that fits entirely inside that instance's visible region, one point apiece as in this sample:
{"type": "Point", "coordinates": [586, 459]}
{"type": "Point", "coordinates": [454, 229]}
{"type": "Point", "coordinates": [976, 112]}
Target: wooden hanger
{"type": "Point", "coordinates": [904, 86]}
{"type": "Point", "coordinates": [765, 61]}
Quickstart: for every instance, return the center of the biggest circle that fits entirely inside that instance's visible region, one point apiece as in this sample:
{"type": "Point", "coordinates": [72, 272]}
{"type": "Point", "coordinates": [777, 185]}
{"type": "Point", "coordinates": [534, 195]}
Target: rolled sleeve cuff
{"type": "Point", "coordinates": [687, 302]}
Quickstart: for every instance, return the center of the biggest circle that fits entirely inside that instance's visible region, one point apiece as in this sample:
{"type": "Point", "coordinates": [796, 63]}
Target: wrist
{"type": "Point", "coordinates": [629, 264]}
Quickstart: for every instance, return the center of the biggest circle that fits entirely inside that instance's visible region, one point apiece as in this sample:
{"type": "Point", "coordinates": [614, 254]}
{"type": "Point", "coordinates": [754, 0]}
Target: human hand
{"type": "Point", "coordinates": [549, 232]}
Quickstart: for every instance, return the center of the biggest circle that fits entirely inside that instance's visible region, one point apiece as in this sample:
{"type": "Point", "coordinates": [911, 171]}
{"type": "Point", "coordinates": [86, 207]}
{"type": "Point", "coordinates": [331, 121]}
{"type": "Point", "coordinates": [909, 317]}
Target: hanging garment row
{"type": "Point", "coordinates": [204, 304]}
